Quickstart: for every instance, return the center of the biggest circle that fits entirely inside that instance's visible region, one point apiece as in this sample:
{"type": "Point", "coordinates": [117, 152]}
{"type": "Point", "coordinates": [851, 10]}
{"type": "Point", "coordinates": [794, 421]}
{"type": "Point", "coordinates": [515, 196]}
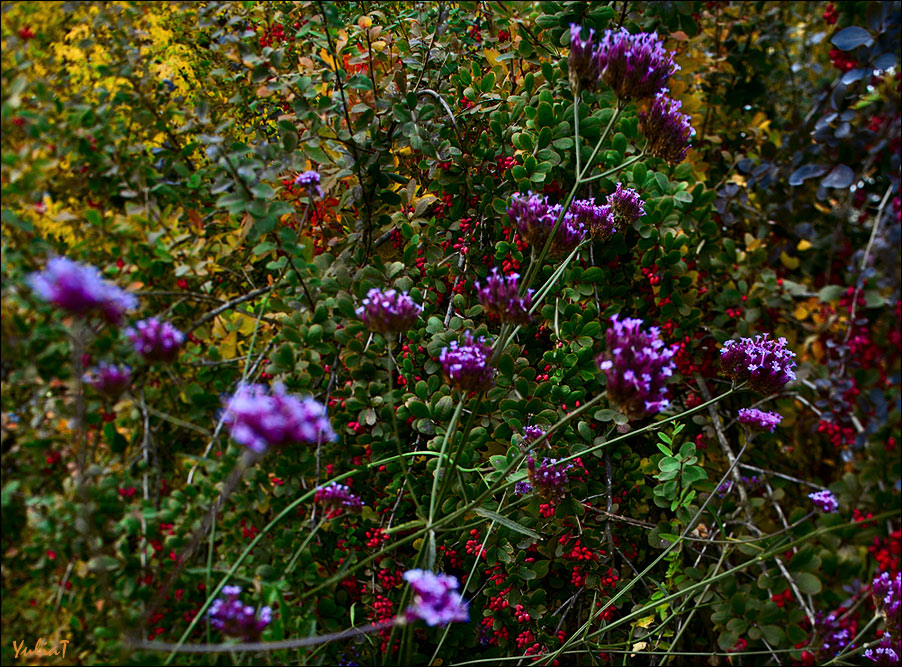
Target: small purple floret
{"type": "Point", "coordinates": [634, 66]}
{"type": "Point", "coordinates": [599, 220]}
{"type": "Point", "coordinates": [235, 619]}
{"type": "Point", "coordinates": [582, 64]}
{"type": "Point", "coordinates": [667, 130]}
{"type": "Point", "coordinates": [155, 340]}
{"type": "Point", "coordinates": [626, 205]}
{"type": "Point", "coordinates": [499, 296]}
{"type": "Point", "coordinates": [260, 420]}
{"type": "Point", "coordinates": [766, 421]}
{"type": "Point", "coordinates": [637, 365]}
{"type": "Point", "coordinates": [80, 289]}
{"type": "Point", "coordinates": [549, 479]}
{"type": "Point", "coordinates": [467, 366]}
{"type": "Point", "coordinates": [388, 311]}
{"type": "Point", "coordinates": [825, 501]}
{"type": "Point", "coordinates": [337, 497]}
{"type": "Point", "coordinates": [435, 599]}
{"type": "Point", "coordinates": [108, 379]}
{"type": "Point", "coordinates": [310, 180]}
{"type": "Point", "coordinates": [766, 364]}
{"type": "Point", "coordinates": [535, 218]}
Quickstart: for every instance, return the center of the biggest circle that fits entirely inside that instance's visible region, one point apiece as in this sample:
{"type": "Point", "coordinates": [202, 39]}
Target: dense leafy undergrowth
{"type": "Point", "coordinates": [451, 333]}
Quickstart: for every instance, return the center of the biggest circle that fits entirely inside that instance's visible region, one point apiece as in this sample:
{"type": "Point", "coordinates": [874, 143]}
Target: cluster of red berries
{"type": "Point", "coordinates": [842, 61]}
{"type": "Point", "coordinates": [275, 33]}
{"type": "Point", "coordinates": [782, 599]}
{"type": "Point", "coordinates": [830, 14]}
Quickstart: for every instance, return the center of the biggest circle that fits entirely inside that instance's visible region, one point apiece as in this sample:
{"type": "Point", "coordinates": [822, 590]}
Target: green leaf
{"type": "Point", "coordinates": [507, 523]}
{"type": "Point", "coordinates": [418, 409]}
{"type": "Point", "coordinates": [807, 582]}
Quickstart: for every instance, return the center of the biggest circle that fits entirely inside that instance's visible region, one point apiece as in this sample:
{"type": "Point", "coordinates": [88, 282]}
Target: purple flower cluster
{"type": "Point", "coordinates": [549, 479]}
{"type": "Point", "coordinates": [637, 365]}
{"type": "Point", "coordinates": [108, 379]}
{"type": "Point", "coordinates": [155, 340]}
{"type": "Point", "coordinates": [666, 129]}
{"type": "Point", "coordinates": [522, 488]}
{"type": "Point", "coordinates": [80, 289]}
{"type": "Point", "coordinates": [626, 205]}
{"type": "Point", "coordinates": [260, 420]}
{"type": "Point", "coordinates": [835, 635]}
{"type": "Point", "coordinates": [310, 180]}
{"type": "Point", "coordinates": [234, 619]}
{"type": "Point", "coordinates": [435, 598]}
{"type": "Point", "coordinates": [766, 364]}
{"type": "Point", "coordinates": [885, 653]}
{"type": "Point", "coordinates": [499, 297]}
{"type": "Point", "coordinates": [337, 497]}
{"type": "Point", "coordinates": [634, 66]}
{"type": "Point", "coordinates": [467, 366]}
{"type": "Point", "coordinates": [582, 63]}
{"type": "Point", "coordinates": [388, 311]}
{"type": "Point", "coordinates": [887, 593]}
{"type": "Point", "coordinates": [531, 434]}
{"type": "Point", "coordinates": [825, 501]}
{"type": "Point", "coordinates": [766, 421]}
{"type": "Point", "coordinates": [599, 220]}
{"type": "Point", "coordinates": [535, 218]}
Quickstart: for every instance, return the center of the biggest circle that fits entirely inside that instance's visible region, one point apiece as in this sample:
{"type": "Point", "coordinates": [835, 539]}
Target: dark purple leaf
{"type": "Point", "coordinates": [851, 38]}
{"type": "Point", "coordinates": [808, 171]}
{"type": "Point", "coordinates": [840, 177]}
{"type": "Point", "coordinates": [855, 74]}
{"type": "Point", "coordinates": [885, 61]}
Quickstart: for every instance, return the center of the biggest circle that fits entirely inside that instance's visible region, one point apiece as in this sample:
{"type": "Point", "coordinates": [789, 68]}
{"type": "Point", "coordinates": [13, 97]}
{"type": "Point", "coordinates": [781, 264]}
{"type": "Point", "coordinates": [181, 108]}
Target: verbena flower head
{"type": "Point", "coordinates": [532, 433]}
{"type": "Point", "coordinates": [634, 66]}
{"type": "Point", "coordinates": [582, 64]}
{"type": "Point", "coordinates": [261, 420]}
{"type": "Point", "coordinates": [499, 297]}
{"type": "Point", "coordinates": [766, 421]}
{"type": "Point", "coordinates": [825, 501]}
{"type": "Point", "coordinates": [766, 364]}
{"type": "Point", "coordinates": [667, 130]}
{"type": "Point", "coordinates": [885, 653]}
{"type": "Point", "coordinates": [80, 289]}
{"type": "Point", "coordinates": [626, 205]}
{"type": "Point", "coordinates": [108, 379]}
{"type": "Point", "coordinates": [535, 218]}
{"type": "Point", "coordinates": [887, 592]}
{"type": "Point", "coordinates": [467, 365]}
{"type": "Point", "coordinates": [637, 365]}
{"type": "Point", "coordinates": [834, 635]}
{"type": "Point", "coordinates": [599, 220]}
{"type": "Point", "coordinates": [435, 598]}
{"type": "Point", "coordinates": [549, 479]}
{"type": "Point", "coordinates": [155, 340]}
{"type": "Point", "coordinates": [310, 180]}
{"type": "Point", "coordinates": [388, 311]}
{"type": "Point", "coordinates": [522, 488]}
{"type": "Point", "coordinates": [337, 497]}
{"type": "Point", "coordinates": [235, 619]}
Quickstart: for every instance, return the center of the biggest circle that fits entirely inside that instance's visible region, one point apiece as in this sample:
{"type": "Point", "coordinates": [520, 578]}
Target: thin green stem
{"type": "Point", "coordinates": [576, 140]}
{"type": "Point", "coordinates": [438, 465]}
{"type": "Point", "coordinates": [460, 448]}
{"type": "Point", "coordinates": [297, 554]}
{"type": "Point", "coordinates": [614, 170]}
{"type": "Point", "coordinates": [390, 363]}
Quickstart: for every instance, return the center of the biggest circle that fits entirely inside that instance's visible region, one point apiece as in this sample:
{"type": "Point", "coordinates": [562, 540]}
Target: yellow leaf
{"type": "Point", "coordinates": [329, 60]}
{"type": "Point", "coordinates": [804, 245]}
{"type": "Point", "coordinates": [801, 312]}
{"type": "Point", "coordinates": [645, 622]}
{"type": "Point", "coordinates": [789, 262]}
{"type": "Point", "coordinates": [364, 22]}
